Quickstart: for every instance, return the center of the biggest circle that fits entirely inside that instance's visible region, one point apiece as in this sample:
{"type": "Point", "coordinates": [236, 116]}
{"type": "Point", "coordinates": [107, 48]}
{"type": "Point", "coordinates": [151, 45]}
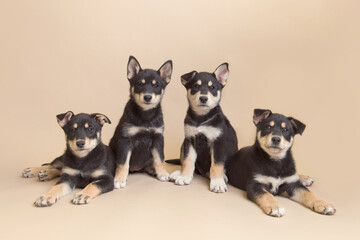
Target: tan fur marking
{"type": "Point", "coordinates": [86, 125]}
{"type": "Point", "coordinates": [143, 81]}
{"type": "Point", "coordinates": [267, 203]}
{"type": "Point", "coordinates": [210, 83]}
{"type": "Point", "coordinates": [283, 125]}
{"type": "Point", "coordinates": [153, 82]}
{"type": "Point", "coordinates": [199, 82]}
{"type": "Point", "coordinates": [75, 125]}
{"type": "Point", "coordinates": [122, 171]}
{"type": "Point", "coordinates": [272, 123]}
{"type": "Point", "coordinates": [188, 164]}
{"type": "Point", "coordinates": [158, 164]}
{"type": "Point", "coordinates": [311, 201]}
{"type": "Point", "coordinates": [216, 171]}
{"type": "Point", "coordinates": [91, 190]}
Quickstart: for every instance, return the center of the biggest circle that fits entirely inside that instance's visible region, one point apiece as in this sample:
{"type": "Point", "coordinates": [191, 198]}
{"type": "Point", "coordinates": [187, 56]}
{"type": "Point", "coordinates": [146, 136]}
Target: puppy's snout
{"type": "Point", "coordinates": [80, 143]}
{"type": "Point", "coordinates": [147, 98]}
{"type": "Point", "coordinates": [203, 99]}
{"type": "Point", "coordinates": [275, 140]}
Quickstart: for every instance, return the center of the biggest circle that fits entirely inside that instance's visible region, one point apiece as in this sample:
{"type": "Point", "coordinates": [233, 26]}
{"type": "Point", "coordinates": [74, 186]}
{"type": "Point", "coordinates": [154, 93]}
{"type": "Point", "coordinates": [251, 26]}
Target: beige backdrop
{"type": "Point", "coordinates": [299, 58]}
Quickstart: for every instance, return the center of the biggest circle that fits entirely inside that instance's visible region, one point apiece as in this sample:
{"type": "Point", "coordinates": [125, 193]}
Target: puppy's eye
{"type": "Point", "coordinates": [156, 85]}
{"type": "Point", "coordinates": [197, 86]}
{"type": "Point", "coordinates": [212, 87]}
{"type": "Point", "coordinates": [268, 127]}
{"type": "Point", "coordinates": [90, 129]}
{"type": "Point", "coordinates": [285, 129]}
{"type": "Point", "coordinates": [72, 130]}
{"type": "Point", "coordinates": [140, 84]}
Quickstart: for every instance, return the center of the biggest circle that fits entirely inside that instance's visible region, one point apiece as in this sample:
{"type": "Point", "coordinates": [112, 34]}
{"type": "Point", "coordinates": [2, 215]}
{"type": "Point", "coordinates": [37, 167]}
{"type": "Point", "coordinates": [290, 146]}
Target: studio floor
{"type": "Point", "coordinates": [150, 209]}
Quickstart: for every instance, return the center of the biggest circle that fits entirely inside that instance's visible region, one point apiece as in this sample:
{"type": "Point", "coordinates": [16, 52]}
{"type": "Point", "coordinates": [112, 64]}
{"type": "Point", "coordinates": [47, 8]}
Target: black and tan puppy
{"type": "Point", "coordinates": [87, 163]}
{"type": "Point", "coordinates": [209, 137]}
{"type": "Point", "coordinates": [138, 141]}
{"type": "Point", "coordinates": [267, 168]}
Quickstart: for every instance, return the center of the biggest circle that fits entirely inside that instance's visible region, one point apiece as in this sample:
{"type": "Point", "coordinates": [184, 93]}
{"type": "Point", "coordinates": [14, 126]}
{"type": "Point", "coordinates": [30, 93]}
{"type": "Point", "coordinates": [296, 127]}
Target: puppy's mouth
{"type": "Point", "coordinates": [275, 148]}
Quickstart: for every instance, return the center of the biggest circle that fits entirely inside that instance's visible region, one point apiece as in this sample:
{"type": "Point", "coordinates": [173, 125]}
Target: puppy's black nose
{"type": "Point", "coordinates": [147, 98]}
{"type": "Point", "coordinates": [80, 143]}
{"type": "Point", "coordinates": [275, 140]}
{"type": "Point", "coordinates": [203, 99]}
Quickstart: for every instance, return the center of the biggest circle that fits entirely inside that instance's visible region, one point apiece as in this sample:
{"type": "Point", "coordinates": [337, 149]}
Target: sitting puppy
{"type": "Point", "coordinates": [267, 168]}
{"type": "Point", "coordinates": [209, 138]}
{"type": "Point", "coordinates": [87, 162]}
{"type": "Point", "coordinates": [138, 141]}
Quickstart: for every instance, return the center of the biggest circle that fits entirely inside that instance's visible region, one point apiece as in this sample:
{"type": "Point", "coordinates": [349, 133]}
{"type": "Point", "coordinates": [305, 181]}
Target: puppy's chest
{"type": "Point", "coordinates": [133, 131]}
{"type": "Point", "coordinates": [274, 183]}
{"type": "Point", "coordinates": [85, 174]}
{"type": "Point", "coordinates": [211, 133]}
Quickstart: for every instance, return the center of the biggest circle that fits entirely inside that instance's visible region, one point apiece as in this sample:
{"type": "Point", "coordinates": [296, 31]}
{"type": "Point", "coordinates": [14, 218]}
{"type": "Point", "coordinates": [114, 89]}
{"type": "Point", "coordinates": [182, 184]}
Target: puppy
{"type": "Point", "coordinates": [87, 162]}
{"type": "Point", "coordinates": [209, 138]}
{"type": "Point", "coordinates": [267, 168]}
{"type": "Point", "coordinates": [138, 141]}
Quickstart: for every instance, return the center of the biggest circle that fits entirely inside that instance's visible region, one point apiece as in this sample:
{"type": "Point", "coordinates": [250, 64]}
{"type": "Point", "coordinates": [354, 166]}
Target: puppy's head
{"type": "Point", "coordinates": [147, 86]}
{"type": "Point", "coordinates": [82, 131]}
{"type": "Point", "coordinates": [275, 132]}
{"type": "Point", "coordinates": [204, 89]}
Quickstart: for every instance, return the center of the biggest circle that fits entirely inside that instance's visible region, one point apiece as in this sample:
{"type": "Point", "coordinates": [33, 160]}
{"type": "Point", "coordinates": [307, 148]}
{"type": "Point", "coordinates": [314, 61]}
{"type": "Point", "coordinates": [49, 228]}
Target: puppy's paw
{"type": "Point", "coordinates": [43, 176]}
{"type": "Point", "coordinates": [164, 177]}
{"type": "Point", "coordinates": [29, 172]}
{"type": "Point", "coordinates": [175, 175]}
{"type": "Point", "coordinates": [80, 199]}
{"type": "Point", "coordinates": [323, 207]}
{"type": "Point", "coordinates": [118, 185]}
{"type": "Point", "coordinates": [183, 180]}
{"type": "Point", "coordinates": [218, 185]}
{"type": "Point", "coordinates": [275, 210]}
{"type": "Point", "coordinates": [306, 180]}
{"type": "Point", "coordinates": [45, 201]}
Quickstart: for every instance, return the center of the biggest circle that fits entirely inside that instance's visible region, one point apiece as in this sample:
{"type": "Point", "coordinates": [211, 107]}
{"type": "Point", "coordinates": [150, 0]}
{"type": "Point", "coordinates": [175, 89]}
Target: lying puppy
{"type": "Point", "coordinates": [267, 168]}
{"type": "Point", "coordinates": [138, 141]}
{"type": "Point", "coordinates": [209, 137]}
{"type": "Point", "coordinates": [87, 162]}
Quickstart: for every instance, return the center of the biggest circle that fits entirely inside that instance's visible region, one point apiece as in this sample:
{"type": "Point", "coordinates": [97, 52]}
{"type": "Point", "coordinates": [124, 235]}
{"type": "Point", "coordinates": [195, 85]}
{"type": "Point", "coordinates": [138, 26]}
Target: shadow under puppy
{"type": "Point", "coordinates": [87, 162]}
{"type": "Point", "coordinates": [209, 137]}
{"type": "Point", "coordinates": [267, 168]}
{"type": "Point", "coordinates": [138, 141]}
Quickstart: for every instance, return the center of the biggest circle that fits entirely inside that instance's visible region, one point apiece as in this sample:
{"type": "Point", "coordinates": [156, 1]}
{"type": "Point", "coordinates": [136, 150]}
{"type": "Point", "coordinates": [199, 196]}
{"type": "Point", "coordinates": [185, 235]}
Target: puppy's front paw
{"type": "Point", "coordinates": [180, 179]}
{"type": "Point", "coordinates": [164, 177]}
{"type": "Point", "coordinates": [218, 185]}
{"type": "Point", "coordinates": [175, 175]}
{"type": "Point", "coordinates": [274, 210]}
{"type": "Point", "coordinates": [43, 176]}
{"type": "Point", "coordinates": [29, 173]}
{"type": "Point", "coordinates": [45, 201]}
{"type": "Point", "coordinates": [80, 199]}
{"type": "Point", "coordinates": [324, 208]}
{"type": "Point", "coordinates": [118, 185]}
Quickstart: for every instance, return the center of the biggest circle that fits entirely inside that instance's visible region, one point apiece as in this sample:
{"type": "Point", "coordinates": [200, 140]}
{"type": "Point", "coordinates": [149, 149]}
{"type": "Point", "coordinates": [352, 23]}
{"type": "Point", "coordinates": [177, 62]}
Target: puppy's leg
{"type": "Point", "coordinates": [302, 195]}
{"type": "Point", "coordinates": [217, 176]}
{"type": "Point", "coordinates": [265, 200]}
{"type": "Point", "coordinates": [123, 161]}
{"type": "Point", "coordinates": [63, 187]}
{"type": "Point", "coordinates": [157, 151]}
{"type": "Point", "coordinates": [48, 174]}
{"type": "Point", "coordinates": [187, 157]}
{"type": "Point", "coordinates": [306, 180]}
{"type": "Point", "coordinates": [101, 185]}
{"type": "Point", "coordinates": [34, 171]}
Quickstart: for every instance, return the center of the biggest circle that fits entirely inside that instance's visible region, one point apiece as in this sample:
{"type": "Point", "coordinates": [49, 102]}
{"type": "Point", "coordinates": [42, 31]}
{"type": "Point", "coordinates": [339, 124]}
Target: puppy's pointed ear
{"type": "Point", "coordinates": [260, 115]}
{"type": "Point", "coordinates": [133, 67]}
{"type": "Point", "coordinates": [188, 77]}
{"type": "Point", "coordinates": [298, 126]}
{"type": "Point", "coordinates": [64, 118]}
{"type": "Point", "coordinates": [165, 70]}
{"type": "Point", "coordinates": [221, 73]}
{"type": "Point", "coordinates": [101, 118]}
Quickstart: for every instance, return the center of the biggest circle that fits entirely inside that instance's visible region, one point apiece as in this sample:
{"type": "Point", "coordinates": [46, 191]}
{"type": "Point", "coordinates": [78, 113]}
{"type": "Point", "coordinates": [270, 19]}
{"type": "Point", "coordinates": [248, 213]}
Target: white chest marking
{"type": "Point", "coordinates": [71, 171]}
{"type": "Point", "coordinates": [211, 133]}
{"type": "Point", "coordinates": [276, 182]}
{"type": "Point", "coordinates": [97, 173]}
{"type": "Point", "coordinates": [131, 130]}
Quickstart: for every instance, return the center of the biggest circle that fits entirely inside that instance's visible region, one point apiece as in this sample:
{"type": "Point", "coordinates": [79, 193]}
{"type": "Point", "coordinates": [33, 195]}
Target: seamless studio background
{"type": "Point", "coordinates": [298, 58]}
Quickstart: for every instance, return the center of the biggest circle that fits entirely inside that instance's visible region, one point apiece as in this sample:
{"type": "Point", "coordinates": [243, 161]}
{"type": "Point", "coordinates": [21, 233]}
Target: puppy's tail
{"type": "Point", "coordinates": [173, 161]}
